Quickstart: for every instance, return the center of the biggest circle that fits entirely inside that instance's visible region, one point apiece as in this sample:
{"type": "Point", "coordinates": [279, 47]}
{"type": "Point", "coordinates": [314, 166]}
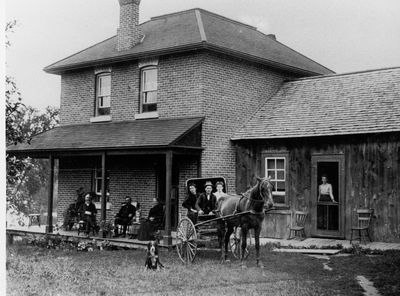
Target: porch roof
{"type": "Point", "coordinates": [137, 134]}
{"type": "Point", "coordinates": [343, 104]}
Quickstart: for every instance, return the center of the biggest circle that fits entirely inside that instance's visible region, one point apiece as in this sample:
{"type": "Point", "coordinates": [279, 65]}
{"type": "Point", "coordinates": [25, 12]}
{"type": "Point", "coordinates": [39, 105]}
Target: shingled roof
{"type": "Point", "coordinates": [345, 104]}
{"type": "Point", "coordinates": [195, 29]}
{"type": "Point", "coordinates": [138, 134]}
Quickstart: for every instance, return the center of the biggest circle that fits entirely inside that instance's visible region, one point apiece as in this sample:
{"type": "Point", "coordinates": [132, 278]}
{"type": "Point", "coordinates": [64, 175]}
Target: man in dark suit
{"type": "Point", "coordinates": [124, 216]}
{"type": "Point", "coordinates": [88, 213]}
{"type": "Point", "coordinates": [206, 203]}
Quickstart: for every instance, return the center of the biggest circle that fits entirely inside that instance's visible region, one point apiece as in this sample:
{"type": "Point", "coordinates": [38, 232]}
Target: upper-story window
{"type": "Point", "coordinates": [148, 89]}
{"type": "Point", "coordinates": [103, 94]}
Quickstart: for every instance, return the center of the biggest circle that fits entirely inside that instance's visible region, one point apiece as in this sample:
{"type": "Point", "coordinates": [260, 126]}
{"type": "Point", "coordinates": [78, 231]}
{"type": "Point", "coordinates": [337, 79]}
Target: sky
{"type": "Point", "coordinates": [343, 35]}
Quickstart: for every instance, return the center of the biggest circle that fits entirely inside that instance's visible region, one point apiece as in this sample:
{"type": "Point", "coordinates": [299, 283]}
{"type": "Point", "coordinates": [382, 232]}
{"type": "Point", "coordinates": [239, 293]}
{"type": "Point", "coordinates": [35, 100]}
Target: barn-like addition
{"type": "Point", "coordinates": [194, 94]}
{"type": "Point", "coordinates": [344, 126]}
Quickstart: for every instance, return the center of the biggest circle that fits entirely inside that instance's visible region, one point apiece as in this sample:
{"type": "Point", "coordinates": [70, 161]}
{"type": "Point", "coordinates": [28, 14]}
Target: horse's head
{"type": "Point", "coordinates": [265, 188]}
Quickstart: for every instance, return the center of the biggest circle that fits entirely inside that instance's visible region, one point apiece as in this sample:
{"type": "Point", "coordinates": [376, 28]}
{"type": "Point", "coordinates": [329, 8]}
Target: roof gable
{"type": "Point", "coordinates": [354, 103]}
{"type": "Point", "coordinates": [189, 30]}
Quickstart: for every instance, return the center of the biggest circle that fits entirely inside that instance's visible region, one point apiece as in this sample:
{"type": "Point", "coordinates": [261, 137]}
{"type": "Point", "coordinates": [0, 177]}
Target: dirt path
{"type": "Point", "coordinates": [368, 286]}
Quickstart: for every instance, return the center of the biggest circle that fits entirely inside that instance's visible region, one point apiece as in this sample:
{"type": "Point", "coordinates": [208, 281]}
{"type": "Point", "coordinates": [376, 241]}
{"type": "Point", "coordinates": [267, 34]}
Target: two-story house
{"type": "Point", "coordinates": [161, 102]}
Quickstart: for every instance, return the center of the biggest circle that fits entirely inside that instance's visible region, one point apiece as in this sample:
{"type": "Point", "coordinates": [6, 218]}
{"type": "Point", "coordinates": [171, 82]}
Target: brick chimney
{"type": "Point", "coordinates": [128, 33]}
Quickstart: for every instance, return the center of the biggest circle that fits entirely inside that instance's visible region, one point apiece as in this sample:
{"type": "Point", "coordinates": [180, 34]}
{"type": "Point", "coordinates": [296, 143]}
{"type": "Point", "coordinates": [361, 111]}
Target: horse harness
{"type": "Point", "coordinates": [252, 202]}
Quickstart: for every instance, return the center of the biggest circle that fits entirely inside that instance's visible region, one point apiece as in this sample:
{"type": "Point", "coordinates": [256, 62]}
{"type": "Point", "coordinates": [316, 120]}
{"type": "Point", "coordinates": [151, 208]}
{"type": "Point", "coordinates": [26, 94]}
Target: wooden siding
{"type": "Point", "coordinates": [372, 167]}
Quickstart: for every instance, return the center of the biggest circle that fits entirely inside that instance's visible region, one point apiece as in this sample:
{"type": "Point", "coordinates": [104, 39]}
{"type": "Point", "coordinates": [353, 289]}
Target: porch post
{"type": "Point", "coordinates": [199, 167]}
{"type": "Point", "coordinates": [168, 186]}
{"type": "Point", "coordinates": [49, 226]}
{"type": "Point", "coordinates": [103, 200]}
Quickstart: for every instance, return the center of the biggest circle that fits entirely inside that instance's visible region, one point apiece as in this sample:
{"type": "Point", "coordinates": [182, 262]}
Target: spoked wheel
{"type": "Point", "coordinates": [186, 237]}
{"type": "Point", "coordinates": [235, 243]}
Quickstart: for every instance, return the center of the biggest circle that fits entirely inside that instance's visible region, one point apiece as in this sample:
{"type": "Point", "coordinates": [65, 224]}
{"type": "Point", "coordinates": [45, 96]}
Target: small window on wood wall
{"type": "Point", "coordinates": [275, 166]}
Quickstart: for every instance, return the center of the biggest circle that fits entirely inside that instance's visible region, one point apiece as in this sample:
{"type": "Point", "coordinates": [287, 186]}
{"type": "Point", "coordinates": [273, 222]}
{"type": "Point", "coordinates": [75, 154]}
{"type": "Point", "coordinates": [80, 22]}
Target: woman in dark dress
{"type": "Point", "coordinates": [190, 203]}
{"type": "Point", "coordinates": [153, 223]}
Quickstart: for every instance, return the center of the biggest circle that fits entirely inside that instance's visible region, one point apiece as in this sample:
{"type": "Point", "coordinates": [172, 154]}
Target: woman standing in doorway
{"type": "Point", "coordinates": [325, 190]}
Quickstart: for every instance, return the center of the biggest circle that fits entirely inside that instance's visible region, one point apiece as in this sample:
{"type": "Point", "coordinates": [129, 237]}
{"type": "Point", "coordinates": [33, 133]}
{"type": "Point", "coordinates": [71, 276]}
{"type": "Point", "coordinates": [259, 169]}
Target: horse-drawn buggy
{"type": "Point", "coordinates": [228, 224]}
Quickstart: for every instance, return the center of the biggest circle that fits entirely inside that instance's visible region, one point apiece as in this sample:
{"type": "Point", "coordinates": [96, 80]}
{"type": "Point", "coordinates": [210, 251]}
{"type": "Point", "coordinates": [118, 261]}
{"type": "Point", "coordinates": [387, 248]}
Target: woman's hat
{"type": "Point", "coordinates": [192, 184]}
{"type": "Point", "coordinates": [219, 183]}
{"type": "Point", "coordinates": [208, 183]}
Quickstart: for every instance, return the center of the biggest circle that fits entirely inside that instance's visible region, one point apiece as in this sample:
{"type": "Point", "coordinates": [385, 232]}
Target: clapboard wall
{"type": "Point", "coordinates": [371, 168]}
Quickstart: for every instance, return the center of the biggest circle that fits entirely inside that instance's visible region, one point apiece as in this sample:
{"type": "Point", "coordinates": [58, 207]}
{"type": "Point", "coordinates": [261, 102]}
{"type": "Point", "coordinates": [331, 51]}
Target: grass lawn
{"type": "Point", "coordinates": [37, 271]}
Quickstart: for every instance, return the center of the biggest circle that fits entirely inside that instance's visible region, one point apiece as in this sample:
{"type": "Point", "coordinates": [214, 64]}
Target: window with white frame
{"type": "Point", "coordinates": [275, 168]}
{"type": "Point", "coordinates": [97, 184]}
{"type": "Point", "coordinates": [148, 89]}
{"type": "Point", "coordinates": [103, 94]}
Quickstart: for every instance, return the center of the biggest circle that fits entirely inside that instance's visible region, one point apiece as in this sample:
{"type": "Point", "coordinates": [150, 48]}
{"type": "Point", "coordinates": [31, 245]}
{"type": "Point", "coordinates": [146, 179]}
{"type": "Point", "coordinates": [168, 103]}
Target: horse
{"type": "Point", "coordinates": [254, 201]}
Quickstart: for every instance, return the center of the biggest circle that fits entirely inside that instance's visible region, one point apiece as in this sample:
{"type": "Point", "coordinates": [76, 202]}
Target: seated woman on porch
{"type": "Point", "coordinates": [153, 223]}
{"type": "Point", "coordinates": [88, 214]}
{"type": "Point", "coordinates": [71, 215]}
{"type": "Point", "coordinates": [325, 190]}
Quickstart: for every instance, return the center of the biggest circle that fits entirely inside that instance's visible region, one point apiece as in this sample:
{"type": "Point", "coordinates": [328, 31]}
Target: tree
{"type": "Point", "coordinates": [14, 109]}
{"type": "Point", "coordinates": [25, 176]}
{"type": "Point", "coordinates": [26, 180]}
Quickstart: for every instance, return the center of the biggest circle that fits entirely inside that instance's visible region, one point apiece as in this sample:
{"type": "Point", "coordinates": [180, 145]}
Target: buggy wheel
{"type": "Point", "coordinates": [235, 243]}
{"type": "Point", "coordinates": [186, 244]}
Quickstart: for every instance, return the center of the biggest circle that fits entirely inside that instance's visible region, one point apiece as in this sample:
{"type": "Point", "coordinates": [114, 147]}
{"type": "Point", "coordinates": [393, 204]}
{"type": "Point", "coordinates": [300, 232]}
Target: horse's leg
{"type": "Point", "coordinates": [228, 234]}
{"type": "Point", "coordinates": [221, 236]}
{"type": "Point", "coordinates": [257, 231]}
{"type": "Point", "coordinates": [243, 238]}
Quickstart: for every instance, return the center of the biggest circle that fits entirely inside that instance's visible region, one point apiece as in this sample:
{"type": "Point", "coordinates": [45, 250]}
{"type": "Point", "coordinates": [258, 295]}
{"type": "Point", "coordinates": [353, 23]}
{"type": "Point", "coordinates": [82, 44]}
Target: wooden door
{"type": "Point", "coordinates": [327, 217]}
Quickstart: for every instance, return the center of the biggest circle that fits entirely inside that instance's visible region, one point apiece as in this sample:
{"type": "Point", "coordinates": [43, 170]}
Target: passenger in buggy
{"type": "Point", "coordinates": [207, 201]}
{"type": "Point", "coordinates": [190, 203]}
{"type": "Point", "coordinates": [220, 190]}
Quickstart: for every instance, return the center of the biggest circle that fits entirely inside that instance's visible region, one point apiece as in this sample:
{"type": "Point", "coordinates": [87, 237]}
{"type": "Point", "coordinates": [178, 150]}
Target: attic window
{"type": "Point", "coordinates": [103, 94]}
{"type": "Point", "coordinates": [148, 89]}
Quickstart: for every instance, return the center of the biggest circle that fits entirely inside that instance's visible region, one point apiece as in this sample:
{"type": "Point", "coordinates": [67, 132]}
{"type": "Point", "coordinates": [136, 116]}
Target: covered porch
{"type": "Point", "coordinates": [144, 159]}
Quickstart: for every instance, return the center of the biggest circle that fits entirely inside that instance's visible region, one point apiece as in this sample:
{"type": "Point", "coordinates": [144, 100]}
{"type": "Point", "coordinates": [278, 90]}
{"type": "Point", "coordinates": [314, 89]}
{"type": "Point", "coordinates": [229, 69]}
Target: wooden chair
{"type": "Point", "coordinates": [34, 218]}
{"type": "Point", "coordinates": [297, 224]}
{"type": "Point", "coordinates": [362, 227]}
{"type": "Point", "coordinates": [82, 226]}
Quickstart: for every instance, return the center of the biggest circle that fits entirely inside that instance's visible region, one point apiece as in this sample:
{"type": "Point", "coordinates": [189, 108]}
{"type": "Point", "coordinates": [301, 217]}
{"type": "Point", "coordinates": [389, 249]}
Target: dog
{"type": "Point", "coordinates": [152, 258]}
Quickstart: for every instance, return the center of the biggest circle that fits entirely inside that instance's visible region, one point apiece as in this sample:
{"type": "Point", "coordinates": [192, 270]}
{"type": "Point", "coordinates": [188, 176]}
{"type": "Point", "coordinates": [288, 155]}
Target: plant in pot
{"type": "Point", "coordinates": [106, 227]}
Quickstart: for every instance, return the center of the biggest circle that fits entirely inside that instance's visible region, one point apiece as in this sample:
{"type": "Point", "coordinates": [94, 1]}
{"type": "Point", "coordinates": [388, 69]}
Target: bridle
{"type": "Point", "coordinates": [254, 202]}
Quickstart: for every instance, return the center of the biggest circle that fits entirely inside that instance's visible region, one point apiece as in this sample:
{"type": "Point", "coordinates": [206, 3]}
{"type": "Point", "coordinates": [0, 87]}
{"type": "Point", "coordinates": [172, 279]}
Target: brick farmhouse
{"type": "Point", "coordinates": [194, 94]}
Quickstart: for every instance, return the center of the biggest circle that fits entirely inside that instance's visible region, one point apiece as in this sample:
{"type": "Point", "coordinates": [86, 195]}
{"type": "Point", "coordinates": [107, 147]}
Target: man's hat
{"type": "Point", "coordinates": [208, 183]}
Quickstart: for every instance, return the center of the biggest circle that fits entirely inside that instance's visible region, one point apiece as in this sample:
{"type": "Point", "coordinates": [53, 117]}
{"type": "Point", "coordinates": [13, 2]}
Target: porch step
{"type": "Point", "coordinates": [309, 251]}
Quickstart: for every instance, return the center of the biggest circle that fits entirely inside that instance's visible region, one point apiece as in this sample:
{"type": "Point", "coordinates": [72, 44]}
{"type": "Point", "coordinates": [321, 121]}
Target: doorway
{"type": "Point", "coordinates": [328, 214]}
